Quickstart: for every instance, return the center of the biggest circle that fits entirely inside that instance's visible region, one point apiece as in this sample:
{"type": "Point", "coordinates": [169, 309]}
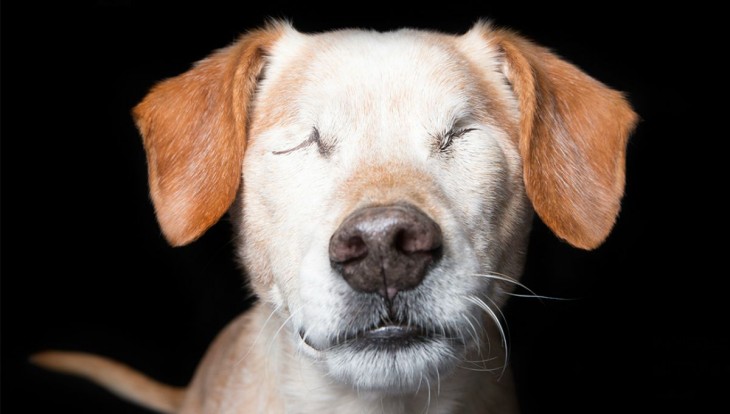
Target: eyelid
{"type": "Point", "coordinates": [315, 138]}
{"type": "Point", "coordinates": [454, 132]}
{"type": "Point", "coordinates": [459, 132]}
{"type": "Point", "coordinates": [324, 149]}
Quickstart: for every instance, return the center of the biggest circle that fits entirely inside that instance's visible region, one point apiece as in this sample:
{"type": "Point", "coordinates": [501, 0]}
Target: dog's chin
{"type": "Point", "coordinates": [392, 359]}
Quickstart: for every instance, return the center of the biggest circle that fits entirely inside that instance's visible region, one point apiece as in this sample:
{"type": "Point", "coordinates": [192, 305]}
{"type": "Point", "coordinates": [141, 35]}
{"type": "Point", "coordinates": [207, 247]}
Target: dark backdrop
{"type": "Point", "coordinates": [84, 266]}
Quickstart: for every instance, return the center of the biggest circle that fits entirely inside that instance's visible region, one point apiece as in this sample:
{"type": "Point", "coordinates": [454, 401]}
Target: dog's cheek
{"type": "Point", "coordinates": [253, 253]}
{"type": "Point", "coordinates": [322, 297]}
{"type": "Point", "coordinates": [285, 212]}
{"type": "Point", "coordinates": [482, 181]}
{"type": "Point", "coordinates": [256, 235]}
{"type": "Point", "coordinates": [260, 243]}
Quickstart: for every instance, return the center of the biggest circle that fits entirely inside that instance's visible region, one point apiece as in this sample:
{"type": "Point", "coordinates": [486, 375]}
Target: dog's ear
{"type": "Point", "coordinates": [194, 132]}
{"type": "Point", "coordinates": [573, 132]}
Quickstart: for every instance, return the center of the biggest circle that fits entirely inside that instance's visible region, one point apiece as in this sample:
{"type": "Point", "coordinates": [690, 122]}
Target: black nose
{"type": "Point", "coordinates": [385, 249]}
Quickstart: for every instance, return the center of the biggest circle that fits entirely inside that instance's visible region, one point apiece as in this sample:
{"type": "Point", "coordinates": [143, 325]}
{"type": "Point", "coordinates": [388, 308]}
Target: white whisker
{"type": "Point", "coordinates": [480, 369]}
{"type": "Point", "coordinates": [276, 334]}
{"type": "Point", "coordinates": [506, 326]}
{"type": "Point", "coordinates": [479, 361]}
{"type": "Point", "coordinates": [474, 334]}
{"type": "Point", "coordinates": [481, 304]}
{"type": "Point", "coordinates": [478, 364]}
{"type": "Point", "coordinates": [258, 335]}
{"type": "Point", "coordinates": [508, 279]}
{"type": "Point", "coordinates": [533, 296]}
{"type": "Point", "coordinates": [428, 401]}
{"type": "Point", "coordinates": [504, 278]}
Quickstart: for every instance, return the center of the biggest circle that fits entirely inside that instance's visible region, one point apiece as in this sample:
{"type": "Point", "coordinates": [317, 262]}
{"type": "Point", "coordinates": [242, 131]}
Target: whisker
{"type": "Point", "coordinates": [533, 296]}
{"type": "Point", "coordinates": [428, 401]}
{"type": "Point", "coordinates": [480, 369]}
{"type": "Point", "coordinates": [506, 325]}
{"type": "Point", "coordinates": [481, 304]}
{"type": "Point", "coordinates": [479, 361]}
{"type": "Point", "coordinates": [514, 281]}
{"type": "Point", "coordinates": [479, 365]}
{"type": "Point", "coordinates": [473, 334]}
{"type": "Point", "coordinates": [504, 329]}
{"type": "Point", "coordinates": [258, 335]}
{"type": "Point", "coordinates": [505, 278]}
{"type": "Point", "coordinates": [276, 334]}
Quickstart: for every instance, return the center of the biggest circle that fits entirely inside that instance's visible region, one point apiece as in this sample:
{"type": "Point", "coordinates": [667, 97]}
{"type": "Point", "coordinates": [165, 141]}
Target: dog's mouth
{"type": "Point", "coordinates": [387, 336]}
{"type": "Point", "coordinates": [389, 357]}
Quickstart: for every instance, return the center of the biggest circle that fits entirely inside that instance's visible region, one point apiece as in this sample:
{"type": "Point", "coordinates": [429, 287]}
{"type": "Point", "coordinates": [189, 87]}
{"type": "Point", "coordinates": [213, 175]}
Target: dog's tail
{"type": "Point", "coordinates": [116, 377]}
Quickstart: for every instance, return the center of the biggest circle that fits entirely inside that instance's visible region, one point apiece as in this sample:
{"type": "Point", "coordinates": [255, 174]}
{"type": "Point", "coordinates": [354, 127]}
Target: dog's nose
{"type": "Point", "coordinates": [385, 249]}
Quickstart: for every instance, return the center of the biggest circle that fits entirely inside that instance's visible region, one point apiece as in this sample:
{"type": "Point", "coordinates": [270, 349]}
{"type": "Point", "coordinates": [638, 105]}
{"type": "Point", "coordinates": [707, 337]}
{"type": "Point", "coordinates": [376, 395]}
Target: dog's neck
{"type": "Point", "coordinates": [273, 376]}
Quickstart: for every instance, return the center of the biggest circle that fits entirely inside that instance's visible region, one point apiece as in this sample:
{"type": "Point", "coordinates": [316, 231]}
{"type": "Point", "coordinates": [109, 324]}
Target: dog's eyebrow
{"type": "Point", "coordinates": [314, 137]}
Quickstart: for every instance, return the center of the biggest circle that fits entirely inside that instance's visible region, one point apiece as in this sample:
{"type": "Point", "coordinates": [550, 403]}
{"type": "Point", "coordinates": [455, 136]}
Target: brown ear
{"type": "Point", "coordinates": [194, 132]}
{"type": "Point", "coordinates": [573, 134]}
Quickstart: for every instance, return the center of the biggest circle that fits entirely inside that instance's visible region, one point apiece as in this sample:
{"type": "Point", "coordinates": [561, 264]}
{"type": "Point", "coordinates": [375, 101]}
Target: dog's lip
{"type": "Point", "coordinates": [390, 333]}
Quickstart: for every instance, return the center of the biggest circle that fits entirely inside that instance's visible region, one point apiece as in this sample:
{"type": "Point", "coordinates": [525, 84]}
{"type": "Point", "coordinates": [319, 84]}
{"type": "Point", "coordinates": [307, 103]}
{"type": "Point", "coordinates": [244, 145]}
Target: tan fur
{"type": "Point", "coordinates": [544, 135]}
{"type": "Point", "coordinates": [117, 377]}
{"type": "Point", "coordinates": [388, 184]}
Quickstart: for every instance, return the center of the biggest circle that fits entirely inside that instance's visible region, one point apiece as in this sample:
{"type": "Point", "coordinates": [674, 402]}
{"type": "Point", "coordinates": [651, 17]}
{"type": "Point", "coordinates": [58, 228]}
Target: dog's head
{"type": "Point", "coordinates": [386, 182]}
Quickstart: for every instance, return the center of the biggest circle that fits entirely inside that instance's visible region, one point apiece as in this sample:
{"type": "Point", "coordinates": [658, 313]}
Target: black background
{"type": "Point", "coordinates": [84, 266]}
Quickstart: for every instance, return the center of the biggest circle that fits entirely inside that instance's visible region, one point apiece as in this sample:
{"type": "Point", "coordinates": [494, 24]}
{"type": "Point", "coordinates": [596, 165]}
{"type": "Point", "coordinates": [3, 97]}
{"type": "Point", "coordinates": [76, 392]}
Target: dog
{"type": "Point", "coordinates": [382, 187]}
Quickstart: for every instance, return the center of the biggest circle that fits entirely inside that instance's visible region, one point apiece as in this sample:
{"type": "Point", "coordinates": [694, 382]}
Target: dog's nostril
{"type": "Point", "coordinates": [417, 239]}
{"type": "Point", "coordinates": [347, 250]}
{"type": "Point", "coordinates": [385, 249]}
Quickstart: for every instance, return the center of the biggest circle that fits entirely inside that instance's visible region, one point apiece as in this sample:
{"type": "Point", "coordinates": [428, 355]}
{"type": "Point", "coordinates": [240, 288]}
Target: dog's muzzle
{"type": "Point", "coordinates": [381, 251]}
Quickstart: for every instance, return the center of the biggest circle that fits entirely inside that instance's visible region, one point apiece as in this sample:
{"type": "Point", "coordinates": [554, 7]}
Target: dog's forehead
{"type": "Point", "coordinates": [405, 56]}
{"type": "Point", "coordinates": [405, 74]}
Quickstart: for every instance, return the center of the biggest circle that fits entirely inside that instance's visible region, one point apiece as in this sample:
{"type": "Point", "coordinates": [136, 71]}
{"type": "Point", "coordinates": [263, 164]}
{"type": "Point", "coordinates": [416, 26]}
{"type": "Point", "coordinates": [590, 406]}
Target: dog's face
{"type": "Point", "coordinates": [389, 182]}
{"type": "Point", "coordinates": [394, 183]}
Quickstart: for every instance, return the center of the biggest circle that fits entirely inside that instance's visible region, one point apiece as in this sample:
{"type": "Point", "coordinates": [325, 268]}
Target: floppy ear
{"type": "Point", "coordinates": [573, 132]}
{"type": "Point", "coordinates": [194, 132]}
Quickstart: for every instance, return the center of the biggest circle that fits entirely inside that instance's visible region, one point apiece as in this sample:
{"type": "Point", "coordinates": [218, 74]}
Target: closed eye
{"type": "Point", "coordinates": [314, 138]}
{"type": "Point", "coordinates": [448, 138]}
